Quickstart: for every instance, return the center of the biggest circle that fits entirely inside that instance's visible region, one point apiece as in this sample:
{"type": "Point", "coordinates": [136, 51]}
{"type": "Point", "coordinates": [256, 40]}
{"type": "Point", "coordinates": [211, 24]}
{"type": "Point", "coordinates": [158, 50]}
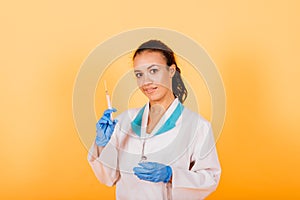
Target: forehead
{"type": "Point", "coordinates": [148, 57]}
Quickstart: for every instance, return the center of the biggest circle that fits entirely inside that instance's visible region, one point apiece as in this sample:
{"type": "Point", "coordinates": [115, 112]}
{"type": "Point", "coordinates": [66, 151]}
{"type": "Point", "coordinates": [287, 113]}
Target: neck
{"type": "Point", "coordinates": [157, 109]}
{"type": "Point", "coordinates": [165, 102]}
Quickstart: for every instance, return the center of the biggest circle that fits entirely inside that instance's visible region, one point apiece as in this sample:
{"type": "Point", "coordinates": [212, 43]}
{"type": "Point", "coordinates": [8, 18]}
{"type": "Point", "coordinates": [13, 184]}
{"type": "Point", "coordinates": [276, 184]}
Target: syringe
{"type": "Point", "coordinates": [107, 98]}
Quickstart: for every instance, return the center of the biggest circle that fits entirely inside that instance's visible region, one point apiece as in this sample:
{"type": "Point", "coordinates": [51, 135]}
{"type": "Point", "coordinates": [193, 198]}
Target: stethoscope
{"type": "Point", "coordinates": [143, 157]}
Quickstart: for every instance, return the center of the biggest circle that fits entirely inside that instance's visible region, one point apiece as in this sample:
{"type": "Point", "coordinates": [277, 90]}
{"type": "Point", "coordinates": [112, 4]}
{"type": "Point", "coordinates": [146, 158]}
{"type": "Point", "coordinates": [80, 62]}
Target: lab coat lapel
{"type": "Point", "coordinates": [161, 126]}
{"type": "Point", "coordinates": [167, 121]}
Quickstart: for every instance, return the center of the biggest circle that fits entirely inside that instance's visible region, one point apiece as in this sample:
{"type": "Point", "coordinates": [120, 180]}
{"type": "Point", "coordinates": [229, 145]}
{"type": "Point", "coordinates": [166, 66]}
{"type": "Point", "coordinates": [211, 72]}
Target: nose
{"type": "Point", "coordinates": [145, 80]}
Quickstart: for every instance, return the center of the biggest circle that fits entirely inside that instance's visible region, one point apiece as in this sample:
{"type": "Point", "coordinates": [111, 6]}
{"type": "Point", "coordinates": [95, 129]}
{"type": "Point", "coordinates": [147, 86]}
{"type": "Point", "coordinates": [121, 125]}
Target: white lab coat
{"type": "Point", "coordinates": [188, 148]}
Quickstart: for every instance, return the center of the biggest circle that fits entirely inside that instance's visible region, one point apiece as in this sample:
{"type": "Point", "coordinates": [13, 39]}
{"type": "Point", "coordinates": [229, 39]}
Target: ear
{"type": "Point", "coordinates": [172, 70]}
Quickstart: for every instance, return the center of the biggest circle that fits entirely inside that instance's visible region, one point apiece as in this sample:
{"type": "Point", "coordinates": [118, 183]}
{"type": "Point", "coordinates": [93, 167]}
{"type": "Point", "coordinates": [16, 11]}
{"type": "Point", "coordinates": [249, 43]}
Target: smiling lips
{"type": "Point", "coordinates": [149, 90]}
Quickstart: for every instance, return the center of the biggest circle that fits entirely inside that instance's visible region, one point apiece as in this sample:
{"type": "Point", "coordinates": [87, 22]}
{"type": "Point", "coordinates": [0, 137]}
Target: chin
{"type": "Point", "coordinates": [154, 97]}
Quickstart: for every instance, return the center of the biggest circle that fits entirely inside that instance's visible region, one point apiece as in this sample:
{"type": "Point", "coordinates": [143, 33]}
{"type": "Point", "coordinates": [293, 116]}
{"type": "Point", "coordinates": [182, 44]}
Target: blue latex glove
{"type": "Point", "coordinates": [153, 171]}
{"type": "Point", "coordinates": [105, 127]}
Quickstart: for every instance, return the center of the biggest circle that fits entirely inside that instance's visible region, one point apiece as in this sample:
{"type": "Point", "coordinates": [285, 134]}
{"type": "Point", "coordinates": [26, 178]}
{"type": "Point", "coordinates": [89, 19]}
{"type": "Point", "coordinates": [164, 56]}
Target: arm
{"type": "Point", "coordinates": [102, 155]}
{"type": "Point", "coordinates": [103, 161]}
{"type": "Point", "coordinates": [195, 182]}
{"type": "Point", "coordinates": [95, 152]}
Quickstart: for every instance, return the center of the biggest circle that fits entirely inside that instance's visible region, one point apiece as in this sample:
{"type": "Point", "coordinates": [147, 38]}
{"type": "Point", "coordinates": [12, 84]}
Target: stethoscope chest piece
{"type": "Point", "coordinates": [143, 158]}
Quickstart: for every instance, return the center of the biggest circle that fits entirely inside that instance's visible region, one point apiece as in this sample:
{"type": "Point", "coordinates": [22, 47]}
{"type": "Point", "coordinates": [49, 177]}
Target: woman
{"type": "Point", "coordinates": [162, 150]}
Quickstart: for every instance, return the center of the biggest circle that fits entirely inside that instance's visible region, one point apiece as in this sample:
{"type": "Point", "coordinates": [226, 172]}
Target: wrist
{"type": "Point", "coordinates": [169, 174]}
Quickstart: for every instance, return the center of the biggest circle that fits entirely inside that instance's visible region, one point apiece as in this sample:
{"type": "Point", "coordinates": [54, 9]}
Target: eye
{"type": "Point", "coordinates": [153, 71]}
{"type": "Point", "coordinates": [138, 75]}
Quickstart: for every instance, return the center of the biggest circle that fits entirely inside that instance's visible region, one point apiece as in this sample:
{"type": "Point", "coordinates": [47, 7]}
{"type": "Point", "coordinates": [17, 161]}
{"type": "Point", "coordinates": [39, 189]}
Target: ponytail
{"type": "Point", "coordinates": [178, 86]}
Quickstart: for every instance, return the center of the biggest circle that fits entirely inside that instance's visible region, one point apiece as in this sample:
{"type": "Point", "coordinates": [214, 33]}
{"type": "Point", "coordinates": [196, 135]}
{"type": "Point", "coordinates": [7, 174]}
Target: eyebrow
{"type": "Point", "coordinates": [152, 65]}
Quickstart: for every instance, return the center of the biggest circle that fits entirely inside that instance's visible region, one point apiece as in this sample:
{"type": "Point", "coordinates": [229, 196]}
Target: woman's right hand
{"type": "Point", "coordinates": [105, 127]}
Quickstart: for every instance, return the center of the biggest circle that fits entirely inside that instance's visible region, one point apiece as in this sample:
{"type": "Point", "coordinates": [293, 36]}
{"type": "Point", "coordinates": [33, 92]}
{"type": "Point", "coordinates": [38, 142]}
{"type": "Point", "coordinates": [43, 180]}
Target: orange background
{"type": "Point", "coordinates": [255, 45]}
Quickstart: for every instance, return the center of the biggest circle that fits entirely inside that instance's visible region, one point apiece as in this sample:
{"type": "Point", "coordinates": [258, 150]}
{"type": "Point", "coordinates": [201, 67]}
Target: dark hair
{"type": "Point", "coordinates": [178, 87]}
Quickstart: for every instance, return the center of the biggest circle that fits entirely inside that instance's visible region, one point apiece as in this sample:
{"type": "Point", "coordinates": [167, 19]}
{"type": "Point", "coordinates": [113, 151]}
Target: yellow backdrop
{"type": "Point", "coordinates": [255, 45]}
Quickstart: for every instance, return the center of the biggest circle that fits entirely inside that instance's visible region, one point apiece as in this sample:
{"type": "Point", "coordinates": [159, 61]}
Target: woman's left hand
{"type": "Point", "coordinates": [153, 171]}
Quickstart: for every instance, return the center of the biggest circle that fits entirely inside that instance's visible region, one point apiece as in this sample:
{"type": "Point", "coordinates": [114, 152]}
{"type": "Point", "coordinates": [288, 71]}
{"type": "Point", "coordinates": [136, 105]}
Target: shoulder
{"type": "Point", "coordinates": [191, 116]}
{"type": "Point", "coordinates": [197, 123]}
{"type": "Point", "coordinates": [203, 135]}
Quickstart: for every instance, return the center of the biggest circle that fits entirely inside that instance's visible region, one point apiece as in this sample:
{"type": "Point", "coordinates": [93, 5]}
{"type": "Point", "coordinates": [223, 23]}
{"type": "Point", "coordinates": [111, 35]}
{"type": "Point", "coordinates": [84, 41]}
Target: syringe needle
{"type": "Point", "coordinates": [105, 87]}
{"type": "Point", "coordinates": [107, 96]}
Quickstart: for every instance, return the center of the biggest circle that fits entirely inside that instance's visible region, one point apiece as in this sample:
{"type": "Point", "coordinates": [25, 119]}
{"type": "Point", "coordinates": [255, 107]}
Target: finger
{"type": "Point", "coordinates": [101, 126]}
{"type": "Point", "coordinates": [105, 120]}
{"type": "Point", "coordinates": [140, 170]}
{"type": "Point", "coordinates": [148, 165]}
{"type": "Point", "coordinates": [101, 123]}
{"type": "Point", "coordinates": [98, 125]}
{"type": "Point", "coordinates": [109, 111]}
{"type": "Point", "coordinates": [144, 177]}
{"type": "Point", "coordinates": [108, 120]}
{"type": "Point", "coordinates": [104, 129]}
